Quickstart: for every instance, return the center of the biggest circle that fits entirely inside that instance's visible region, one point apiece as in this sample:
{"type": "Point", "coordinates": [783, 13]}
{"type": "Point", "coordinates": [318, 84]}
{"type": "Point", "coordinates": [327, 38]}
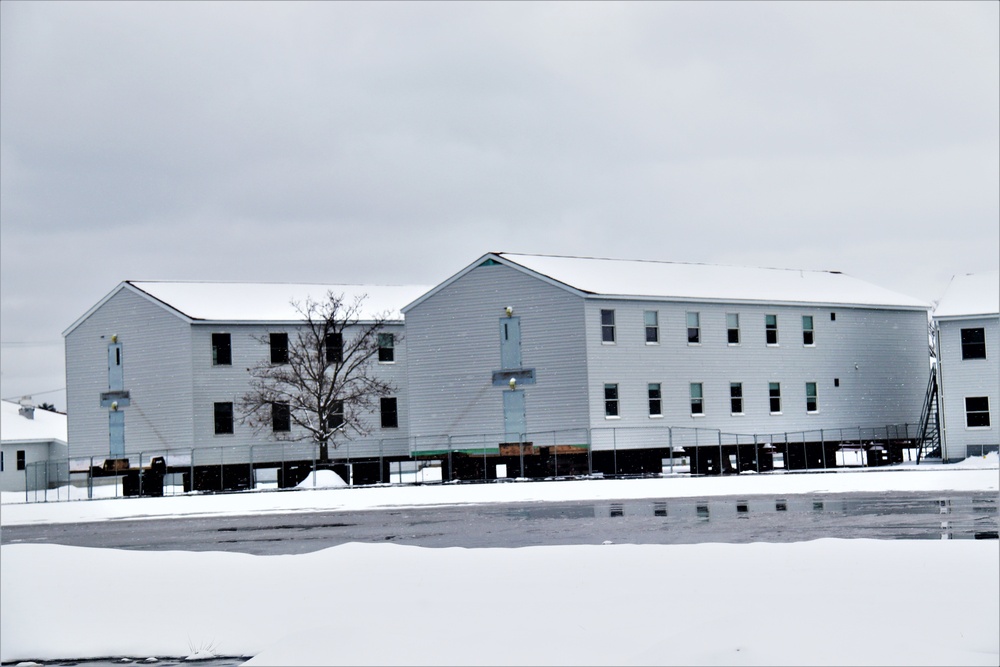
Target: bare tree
{"type": "Point", "coordinates": [322, 386]}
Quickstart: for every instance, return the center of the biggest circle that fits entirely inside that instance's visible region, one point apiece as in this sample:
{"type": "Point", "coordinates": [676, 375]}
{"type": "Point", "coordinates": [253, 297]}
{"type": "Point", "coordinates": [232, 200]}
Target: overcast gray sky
{"type": "Point", "coordinates": [389, 143]}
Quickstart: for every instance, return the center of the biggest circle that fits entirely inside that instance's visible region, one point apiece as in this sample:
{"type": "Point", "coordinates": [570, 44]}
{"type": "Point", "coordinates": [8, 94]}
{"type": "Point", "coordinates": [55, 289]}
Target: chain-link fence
{"type": "Point", "coordinates": [486, 457]}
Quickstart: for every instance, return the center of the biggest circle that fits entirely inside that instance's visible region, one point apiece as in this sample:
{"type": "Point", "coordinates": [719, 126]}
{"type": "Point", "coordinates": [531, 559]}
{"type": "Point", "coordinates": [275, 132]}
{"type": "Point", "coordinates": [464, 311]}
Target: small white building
{"type": "Point", "coordinates": [29, 436]}
{"type": "Point", "coordinates": [156, 369]}
{"type": "Point", "coordinates": [967, 332]}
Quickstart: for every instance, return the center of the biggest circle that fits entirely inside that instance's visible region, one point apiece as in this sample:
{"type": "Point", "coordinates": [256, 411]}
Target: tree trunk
{"type": "Point", "coordinates": [324, 452]}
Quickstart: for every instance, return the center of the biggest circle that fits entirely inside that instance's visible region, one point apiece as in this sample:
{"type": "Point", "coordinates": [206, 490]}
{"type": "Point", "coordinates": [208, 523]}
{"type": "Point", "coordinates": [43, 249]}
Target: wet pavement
{"type": "Point", "coordinates": [796, 518]}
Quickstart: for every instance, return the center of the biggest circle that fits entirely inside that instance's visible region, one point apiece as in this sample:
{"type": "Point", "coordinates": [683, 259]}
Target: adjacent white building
{"type": "Point", "coordinates": [29, 438]}
{"type": "Point", "coordinates": [569, 351]}
{"type": "Point", "coordinates": [967, 331]}
{"type": "Point", "coordinates": [155, 369]}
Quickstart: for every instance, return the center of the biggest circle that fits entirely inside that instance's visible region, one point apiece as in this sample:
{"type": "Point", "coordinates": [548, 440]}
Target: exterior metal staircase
{"type": "Point", "coordinates": [929, 433]}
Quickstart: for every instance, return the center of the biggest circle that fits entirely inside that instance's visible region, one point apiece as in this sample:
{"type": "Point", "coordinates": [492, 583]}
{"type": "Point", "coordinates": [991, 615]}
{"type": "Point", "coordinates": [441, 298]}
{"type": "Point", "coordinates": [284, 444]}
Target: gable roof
{"type": "Point", "coordinates": [197, 301]}
{"type": "Point", "coordinates": [677, 281]}
{"type": "Point", "coordinates": [46, 426]}
{"type": "Point", "coordinates": [970, 295]}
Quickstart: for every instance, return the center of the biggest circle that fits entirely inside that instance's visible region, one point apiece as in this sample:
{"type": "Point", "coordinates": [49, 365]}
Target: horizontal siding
{"type": "Point", "coordinates": [156, 368]}
{"type": "Point", "coordinates": [969, 377]}
{"type": "Point", "coordinates": [879, 357]}
{"type": "Point", "coordinates": [454, 345]}
{"type": "Point", "coordinates": [229, 383]}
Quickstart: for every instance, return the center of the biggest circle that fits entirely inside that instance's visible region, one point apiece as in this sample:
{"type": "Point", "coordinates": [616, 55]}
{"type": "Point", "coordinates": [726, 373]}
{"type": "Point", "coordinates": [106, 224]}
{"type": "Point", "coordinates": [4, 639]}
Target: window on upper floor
{"type": "Point", "coordinates": [736, 398]}
{"type": "Point", "coordinates": [808, 333]}
{"type": "Point", "coordinates": [335, 418]}
{"type": "Point", "coordinates": [334, 348]}
{"type": "Point", "coordinates": [977, 411]}
{"type": "Point", "coordinates": [652, 321]}
{"type": "Point", "coordinates": [733, 328]}
{"type": "Point", "coordinates": [279, 348]}
{"type": "Point", "coordinates": [20, 459]}
{"type": "Point", "coordinates": [222, 349]}
{"type": "Point", "coordinates": [774, 395]}
{"type": "Point", "coordinates": [223, 418]}
{"type": "Point", "coordinates": [655, 399]}
{"type": "Point", "coordinates": [388, 410]}
{"type": "Point", "coordinates": [611, 400]}
{"type": "Point", "coordinates": [607, 326]}
{"type": "Point", "coordinates": [386, 347]}
{"type": "Point", "coordinates": [771, 329]}
{"type": "Point", "coordinates": [693, 328]}
{"type": "Point", "coordinates": [697, 399]}
{"type": "Point", "coordinates": [812, 401]}
{"type": "Point", "coordinates": [974, 343]}
{"type": "Point", "coordinates": [281, 417]}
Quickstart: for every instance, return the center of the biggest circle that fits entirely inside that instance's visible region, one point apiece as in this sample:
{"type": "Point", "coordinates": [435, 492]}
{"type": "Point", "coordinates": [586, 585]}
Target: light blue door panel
{"type": "Point", "coordinates": [510, 342]}
{"type": "Point", "coordinates": [513, 415]}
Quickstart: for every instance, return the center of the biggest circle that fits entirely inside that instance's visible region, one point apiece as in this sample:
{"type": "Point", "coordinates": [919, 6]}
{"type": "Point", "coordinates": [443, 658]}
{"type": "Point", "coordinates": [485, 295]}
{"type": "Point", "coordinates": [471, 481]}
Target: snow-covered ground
{"type": "Point", "coordinates": [917, 602]}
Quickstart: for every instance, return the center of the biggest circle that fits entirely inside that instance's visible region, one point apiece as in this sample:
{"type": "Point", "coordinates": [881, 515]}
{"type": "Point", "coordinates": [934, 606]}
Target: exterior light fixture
{"type": "Point", "coordinates": [114, 406]}
{"type": "Point", "coordinates": [114, 338]}
{"type": "Point", "coordinates": [509, 310]}
{"type": "Point", "coordinates": [513, 383]}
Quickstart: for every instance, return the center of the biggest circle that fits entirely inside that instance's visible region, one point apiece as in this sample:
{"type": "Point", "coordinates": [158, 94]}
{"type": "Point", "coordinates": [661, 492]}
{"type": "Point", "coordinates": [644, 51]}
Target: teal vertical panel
{"type": "Point", "coordinates": [116, 380]}
{"type": "Point", "coordinates": [510, 343]}
{"type": "Point", "coordinates": [116, 430]}
{"type": "Point", "coordinates": [514, 423]}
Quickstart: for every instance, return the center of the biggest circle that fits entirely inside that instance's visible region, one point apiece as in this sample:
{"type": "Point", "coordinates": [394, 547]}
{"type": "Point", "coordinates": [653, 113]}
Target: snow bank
{"type": "Point", "coordinates": [322, 479]}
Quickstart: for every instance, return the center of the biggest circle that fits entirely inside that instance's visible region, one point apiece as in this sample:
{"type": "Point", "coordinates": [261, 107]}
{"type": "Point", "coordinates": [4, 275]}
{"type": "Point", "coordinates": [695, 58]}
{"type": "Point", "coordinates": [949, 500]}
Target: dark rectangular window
{"type": "Point", "coordinates": [694, 328]}
{"type": "Point", "coordinates": [1, 460]}
{"type": "Point", "coordinates": [697, 399]}
{"type": "Point", "coordinates": [610, 400]}
{"type": "Point", "coordinates": [652, 321]}
{"type": "Point", "coordinates": [281, 417]}
{"type": "Point", "coordinates": [808, 337]}
{"type": "Point", "coordinates": [222, 350]}
{"type": "Point", "coordinates": [20, 459]}
{"type": "Point", "coordinates": [833, 317]}
{"type": "Point", "coordinates": [335, 419]}
{"type": "Point", "coordinates": [812, 402]}
{"type": "Point", "coordinates": [223, 418]}
{"type": "Point", "coordinates": [607, 326]}
{"type": "Point", "coordinates": [733, 328]}
{"type": "Point", "coordinates": [334, 348]}
{"type": "Point", "coordinates": [973, 343]}
{"type": "Point", "coordinates": [977, 411]}
{"type": "Point", "coordinates": [736, 398]}
{"type": "Point", "coordinates": [279, 348]}
{"type": "Point", "coordinates": [386, 347]}
{"type": "Point", "coordinates": [771, 329]}
{"type": "Point", "coordinates": [774, 393]}
{"type": "Point", "coordinates": [390, 417]}
{"type": "Point", "coordinates": [655, 400]}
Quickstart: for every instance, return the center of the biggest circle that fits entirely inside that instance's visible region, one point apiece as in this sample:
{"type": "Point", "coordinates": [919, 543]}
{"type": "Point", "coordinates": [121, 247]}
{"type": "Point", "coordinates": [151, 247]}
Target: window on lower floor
{"type": "Point", "coordinates": [655, 399]}
{"type": "Point", "coordinates": [390, 416]}
{"type": "Point", "coordinates": [386, 347]}
{"type": "Point", "coordinates": [733, 328]}
{"type": "Point", "coordinates": [607, 326]}
{"type": "Point", "coordinates": [771, 329]}
{"type": "Point", "coordinates": [222, 349]}
{"type": "Point", "coordinates": [812, 402]}
{"type": "Point", "coordinates": [973, 343]}
{"type": "Point", "coordinates": [694, 328]}
{"type": "Point", "coordinates": [281, 417]}
{"type": "Point", "coordinates": [774, 394]}
{"type": "Point", "coordinates": [977, 411]}
{"type": "Point", "coordinates": [279, 348]}
{"type": "Point", "coordinates": [697, 399]}
{"type": "Point", "coordinates": [611, 400]}
{"type": "Point", "coordinates": [20, 459]}
{"type": "Point", "coordinates": [736, 398]}
{"type": "Point", "coordinates": [652, 322]}
{"type": "Point", "coordinates": [223, 418]}
{"type": "Point", "coordinates": [335, 418]}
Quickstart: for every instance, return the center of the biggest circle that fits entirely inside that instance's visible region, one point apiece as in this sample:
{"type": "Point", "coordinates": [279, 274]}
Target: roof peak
{"type": "Point", "coordinates": [664, 261]}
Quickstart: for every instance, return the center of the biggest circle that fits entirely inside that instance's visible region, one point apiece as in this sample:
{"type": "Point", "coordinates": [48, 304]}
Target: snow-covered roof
{"type": "Point", "coordinates": [44, 427]}
{"type": "Point", "coordinates": [262, 302]}
{"type": "Point", "coordinates": [644, 279]}
{"type": "Point", "coordinates": [970, 294]}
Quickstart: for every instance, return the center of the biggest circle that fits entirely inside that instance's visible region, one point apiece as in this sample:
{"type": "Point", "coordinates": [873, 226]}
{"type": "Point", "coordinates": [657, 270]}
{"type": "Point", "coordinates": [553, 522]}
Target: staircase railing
{"type": "Point", "coordinates": [929, 432]}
